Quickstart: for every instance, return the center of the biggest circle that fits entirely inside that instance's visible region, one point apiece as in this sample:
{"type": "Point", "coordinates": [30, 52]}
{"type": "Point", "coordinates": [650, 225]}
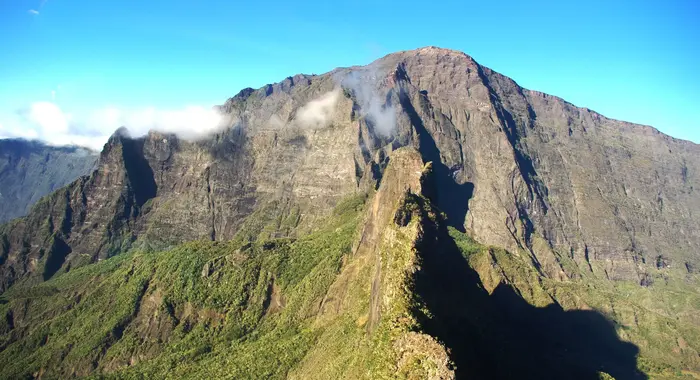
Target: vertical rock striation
{"type": "Point", "coordinates": [580, 193]}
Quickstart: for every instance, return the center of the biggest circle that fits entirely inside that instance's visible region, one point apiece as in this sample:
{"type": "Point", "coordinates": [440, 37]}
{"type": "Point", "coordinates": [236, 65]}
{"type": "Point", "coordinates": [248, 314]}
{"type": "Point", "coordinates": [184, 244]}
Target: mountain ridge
{"type": "Point", "coordinates": [30, 170]}
{"type": "Point", "coordinates": [568, 207]}
{"type": "Point", "coordinates": [494, 96]}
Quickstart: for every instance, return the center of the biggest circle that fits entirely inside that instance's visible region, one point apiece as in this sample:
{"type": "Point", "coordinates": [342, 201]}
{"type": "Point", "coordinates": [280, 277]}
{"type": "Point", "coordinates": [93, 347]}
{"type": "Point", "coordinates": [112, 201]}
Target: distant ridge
{"type": "Point", "coordinates": [30, 170]}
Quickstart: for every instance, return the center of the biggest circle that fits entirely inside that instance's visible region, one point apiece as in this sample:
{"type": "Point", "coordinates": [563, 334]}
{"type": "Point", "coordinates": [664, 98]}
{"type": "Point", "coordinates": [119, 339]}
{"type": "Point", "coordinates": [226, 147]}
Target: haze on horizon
{"type": "Point", "coordinates": [74, 71]}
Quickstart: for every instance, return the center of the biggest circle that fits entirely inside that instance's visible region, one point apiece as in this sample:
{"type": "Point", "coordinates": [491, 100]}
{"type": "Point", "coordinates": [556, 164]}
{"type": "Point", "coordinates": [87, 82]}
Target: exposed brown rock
{"type": "Point", "coordinates": [513, 167]}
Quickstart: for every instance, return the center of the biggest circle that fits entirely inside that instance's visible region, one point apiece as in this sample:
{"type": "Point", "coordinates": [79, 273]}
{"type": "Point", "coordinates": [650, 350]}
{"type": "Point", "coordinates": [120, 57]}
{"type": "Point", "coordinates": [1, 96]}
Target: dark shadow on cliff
{"type": "Point", "coordinates": [451, 197]}
{"type": "Point", "coordinates": [515, 131]}
{"type": "Point", "coordinates": [138, 170]}
{"type": "Point", "coordinates": [501, 336]}
{"type": "Point", "coordinates": [55, 258]}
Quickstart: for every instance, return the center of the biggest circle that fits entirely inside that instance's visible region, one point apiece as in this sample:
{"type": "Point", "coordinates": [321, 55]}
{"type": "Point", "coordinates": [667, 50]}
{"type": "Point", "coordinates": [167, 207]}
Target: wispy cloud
{"type": "Point", "coordinates": [36, 11]}
{"type": "Point", "coordinates": [363, 83]}
{"type": "Point", "coordinates": [47, 122]}
{"type": "Point", "coordinates": [318, 112]}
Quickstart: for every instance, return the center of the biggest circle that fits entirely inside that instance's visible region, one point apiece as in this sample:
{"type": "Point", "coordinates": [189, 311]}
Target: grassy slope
{"type": "Point", "coordinates": [300, 309]}
{"type": "Point", "coordinates": [202, 309]}
{"type": "Point", "coordinates": [272, 309]}
{"type": "Point", "coordinates": [661, 319]}
{"type": "Point", "coordinates": [396, 345]}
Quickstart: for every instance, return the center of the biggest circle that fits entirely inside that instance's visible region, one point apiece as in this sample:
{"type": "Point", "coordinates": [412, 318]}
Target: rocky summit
{"type": "Point", "coordinates": [419, 217]}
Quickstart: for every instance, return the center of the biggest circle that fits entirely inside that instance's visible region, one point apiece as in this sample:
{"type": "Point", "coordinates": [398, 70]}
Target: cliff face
{"type": "Point", "coordinates": [30, 170]}
{"type": "Point", "coordinates": [332, 229]}
{"type": "Point", "coordinates": [382, 289]}
{"type": "Point", "coordinates": [580, 193]}
{"type": "Point", "coordinates": [615, 196]}
{"type": "Point", "coordinates": [543, 175]}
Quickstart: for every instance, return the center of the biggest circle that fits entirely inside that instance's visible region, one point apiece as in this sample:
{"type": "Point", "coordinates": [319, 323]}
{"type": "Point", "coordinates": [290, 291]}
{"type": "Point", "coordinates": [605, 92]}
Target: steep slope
{"type": "Point", "coordinates": [383, 290]}
{"type": "Point", "coordinates": [520, 162]}
{"type": "Point", "coordinates": [547, 176]}
{"type": "Point", "coordinates": [575, 212]}
{"type": "Point", "coordinates": [30, 170]}
{"type": "Point", "coordinates": [229, 310]}
{"type": "Point", "coordinates": [156, 191]}
{"type": "Point", "coordinates": [200, 310]}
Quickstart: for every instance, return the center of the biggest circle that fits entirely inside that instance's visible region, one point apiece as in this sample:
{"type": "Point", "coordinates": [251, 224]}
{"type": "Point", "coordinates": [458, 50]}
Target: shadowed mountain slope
{"type": "Point", "coordinates": [381, 290]}
{"type": "Point", "coordinates": [585, 224]}
{"type": "Point", "coordinates": [30, 170]}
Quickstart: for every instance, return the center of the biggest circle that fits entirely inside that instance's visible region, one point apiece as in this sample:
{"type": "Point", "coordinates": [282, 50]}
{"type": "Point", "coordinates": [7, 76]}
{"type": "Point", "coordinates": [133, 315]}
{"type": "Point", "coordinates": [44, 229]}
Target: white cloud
{"type": "Point", "coordinates": [49, 117]}
{"type": "Point", "coordinates": [373, 105]}
{"type": "Point", "coordinates": [318, 112]}
{"type": "Point", "coordinates": [191, 122]}
{"type": "Point", "coordinates": [46, 121]}
{"type": "Point", "coordinates": [33, 12]}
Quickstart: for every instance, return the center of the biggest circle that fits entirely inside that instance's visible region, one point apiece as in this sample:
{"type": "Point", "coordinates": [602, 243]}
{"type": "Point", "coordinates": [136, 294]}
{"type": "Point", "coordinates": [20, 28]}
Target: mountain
{"type": "Point", "coordinates": [422, 217]}
{"type": "Point", "coordinates": [30, 170]}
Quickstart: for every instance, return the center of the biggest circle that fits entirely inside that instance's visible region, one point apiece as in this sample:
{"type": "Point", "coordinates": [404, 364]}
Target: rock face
{"type": "Point", "coordinates": [340, 197]}
{"type": "Point", "coordinates": [515, 168]}
{"type": "Point", "coordinates": [30, 170]}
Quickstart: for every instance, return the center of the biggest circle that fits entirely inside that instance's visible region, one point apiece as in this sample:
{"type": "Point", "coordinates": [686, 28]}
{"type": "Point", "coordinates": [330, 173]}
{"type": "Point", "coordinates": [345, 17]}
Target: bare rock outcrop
{"type": "Point", "coordinates": [514, 168]}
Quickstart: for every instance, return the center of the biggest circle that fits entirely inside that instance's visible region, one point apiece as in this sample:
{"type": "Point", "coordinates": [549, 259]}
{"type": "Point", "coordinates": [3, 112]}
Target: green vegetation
{"type": "Point", "coordinates": [465, 243]}
{"type": "Point", "coordinates": [661, 319]}
{"type": "Point", "coordinates": [327, 304]}
{"type": "Point", "coordinates": [199, 310]}
{"type": "Point", "coordinates": [371, 329]}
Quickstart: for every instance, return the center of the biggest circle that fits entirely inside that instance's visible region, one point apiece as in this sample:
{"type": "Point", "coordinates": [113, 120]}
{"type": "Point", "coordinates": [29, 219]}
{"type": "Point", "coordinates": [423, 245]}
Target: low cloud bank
{"type": "Point", "coordinates": [46, 121]}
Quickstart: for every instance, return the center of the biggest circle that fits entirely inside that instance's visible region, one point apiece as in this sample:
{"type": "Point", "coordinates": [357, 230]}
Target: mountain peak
{"type": "Point", "coordinates": [428, 51]}
{"type": "Point", "coordinates": [118, 135]}
{"type": "Point", "coordinates": [121, 132]}
{"type": "Point", "coordinates": [441, 153]}
{"type": "Point", "coordinates": [438, 50]}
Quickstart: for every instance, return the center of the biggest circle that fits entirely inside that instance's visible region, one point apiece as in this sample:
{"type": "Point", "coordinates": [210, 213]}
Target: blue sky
{"type": "Point", "coordinates": [632, 60]}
